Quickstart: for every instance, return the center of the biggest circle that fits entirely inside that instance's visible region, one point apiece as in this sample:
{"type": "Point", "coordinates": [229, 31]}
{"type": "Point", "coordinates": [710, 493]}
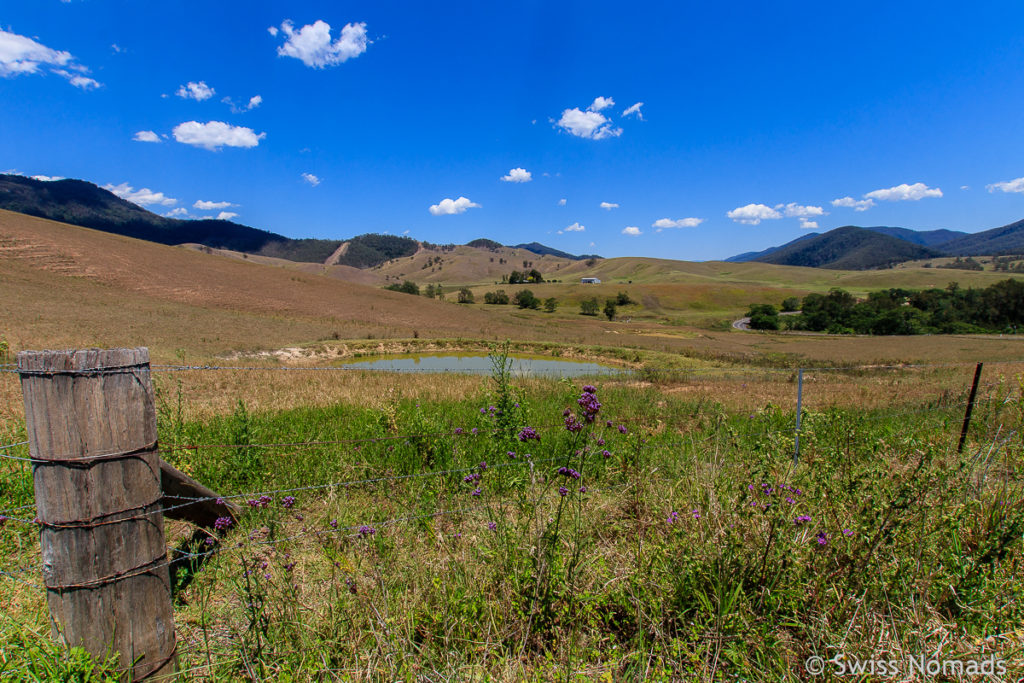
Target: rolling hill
{"type": "Point", "coordinates": [848, 248]}
{"type": "Point", "coordinates": [1008, 239]}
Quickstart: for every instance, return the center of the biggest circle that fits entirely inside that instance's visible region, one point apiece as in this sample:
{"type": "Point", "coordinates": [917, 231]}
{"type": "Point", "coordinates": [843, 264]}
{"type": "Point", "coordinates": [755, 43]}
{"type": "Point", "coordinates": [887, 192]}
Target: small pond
{"type": "Point", "coordinates": [522, 366]}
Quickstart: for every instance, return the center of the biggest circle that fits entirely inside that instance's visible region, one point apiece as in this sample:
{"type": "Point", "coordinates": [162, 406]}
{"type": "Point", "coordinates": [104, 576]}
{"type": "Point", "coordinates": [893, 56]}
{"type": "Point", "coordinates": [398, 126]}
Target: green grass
{"type": "Point", "coordinates": [607, 583]}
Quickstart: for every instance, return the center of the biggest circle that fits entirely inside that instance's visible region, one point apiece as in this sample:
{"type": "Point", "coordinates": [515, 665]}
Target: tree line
{"type": "Point", "coordinates": [953, 310]}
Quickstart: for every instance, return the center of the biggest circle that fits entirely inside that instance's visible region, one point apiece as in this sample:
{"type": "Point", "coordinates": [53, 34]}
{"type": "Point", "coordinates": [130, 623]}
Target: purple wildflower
{"type": "Point", "coordinates": [802, 519]}
{"type": "Point", "coordinates": [847, 532]}
{"type": "Point", "coordinates": [334, 524]}
{"type": "Point", "coordinates": [528, 433]}
{"type": "Point", "coordinates": [696, 514]}
{"type": "Point", "coordinates": [608, 423]}
{"type": "Point", "coordinates": [511, 454]}
{"type": "Point", "coordinates": [493, 526]}
{"type": "Point", "coordinates": [562, 491]}
{"type": "Point", "coordinates": [483, 411]}
{"type": "Point", "coordinates": [600, 442]}
{"type": "Point", "coordinates": [458, 430]}
{"type": "Point", "coordinates": [220, 501]}
{"type": "Point", "coordinates": [673, 517]}
{"type": "Point", "coordinates": [470, 478]}
{"type": "Point", "coordinates": [572, 425]}
{"type": "Point", "coordinates": [288, 501]}
{"type": "Point", "coordinates": [790, 500]}
{"type": "Point", "coordinates": [483, 466]}
{"type": "Point", "coordinates": [476, 493]}
{"type": "Point", "coordinates": [267, 576]}
{"type": "Point", "coordinates": [223, 523]}
{"type": "Point", "coordinates": [622, 429]}
{"type": "Point", "coordinates": [288, 567]}
{"type": "Point", "coordinates": [475, 430]}
{"type": "Point", "coordinates": [606, 453]}
{"type": "Point", "coordinates": [365, 531]}
{"type": "Point", "coordinates": [568, 472]}
{"type": "Point", "coordinates": [209, 540]}
{"type": "Point", "coordinates": [583, 489]}
{"type": "Point", "coordinates": [822, 538]}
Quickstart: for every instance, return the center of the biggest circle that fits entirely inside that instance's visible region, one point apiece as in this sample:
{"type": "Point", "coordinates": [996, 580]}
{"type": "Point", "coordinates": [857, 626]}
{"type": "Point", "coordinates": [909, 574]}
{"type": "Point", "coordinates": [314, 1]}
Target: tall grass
{"type": "Point", "coordinates": [627, 534]}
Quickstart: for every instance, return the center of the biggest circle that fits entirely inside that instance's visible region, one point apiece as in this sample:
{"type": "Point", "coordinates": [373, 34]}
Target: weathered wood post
{"type": "Point", "coordinates": [92, 434]}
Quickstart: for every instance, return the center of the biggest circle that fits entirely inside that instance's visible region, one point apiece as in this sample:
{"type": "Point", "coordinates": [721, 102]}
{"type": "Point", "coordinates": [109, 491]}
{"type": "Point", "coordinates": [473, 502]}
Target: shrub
{"type": "Point", "coordinates": [524, 298]}
{"type": "Point", "coordinates": [466, 296]}
{"type": "Point", "coordinates": [499, 297]}
{"type": "Point", "coordinates": [407, 287]}
{"type": "Point", "coordinates": [589, 307]}
{"type": "Point", "coordinates": [550, 304]}
{"type": "Point", "coordinates": [609, 309]}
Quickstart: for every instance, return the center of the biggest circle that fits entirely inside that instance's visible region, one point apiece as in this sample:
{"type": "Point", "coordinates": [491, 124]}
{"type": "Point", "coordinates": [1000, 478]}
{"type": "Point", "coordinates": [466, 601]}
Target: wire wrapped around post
{"type": "Point", "coordinates": [91, 424]}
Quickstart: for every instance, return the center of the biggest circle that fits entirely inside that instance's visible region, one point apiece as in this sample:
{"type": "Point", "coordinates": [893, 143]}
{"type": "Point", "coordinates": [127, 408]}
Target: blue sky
{"type": "Point", "coordinates": [682, 130]}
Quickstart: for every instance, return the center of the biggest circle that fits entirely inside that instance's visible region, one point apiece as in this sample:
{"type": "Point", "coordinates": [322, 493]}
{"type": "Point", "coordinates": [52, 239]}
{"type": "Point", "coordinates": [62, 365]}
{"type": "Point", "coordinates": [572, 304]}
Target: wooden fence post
{"type": "Point", "coordinates": [91, 424]}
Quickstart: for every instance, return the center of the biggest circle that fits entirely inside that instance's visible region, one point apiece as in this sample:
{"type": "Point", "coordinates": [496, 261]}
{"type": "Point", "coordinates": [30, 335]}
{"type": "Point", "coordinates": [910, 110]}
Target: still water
{"type": "Point", "coordinates": [522, 366]}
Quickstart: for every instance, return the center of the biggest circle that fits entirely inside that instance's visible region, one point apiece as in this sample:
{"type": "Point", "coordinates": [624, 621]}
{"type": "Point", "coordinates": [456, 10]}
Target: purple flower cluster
{"type": "Point", "coordinates": [261, 502]}
{"type": "Point", "coordinates": [673, 517]}
{"type": "Point", "coordinates": [458, 430]}
{"type": "Point", "coordinates": [802, 519]}
{"type": "Point", "coordinates": [572, 424]}
{"type": "Point", "coordinates": [822, 538]}
{"type": "Point", "coordinates": [476, 493]}
{"type": "Point", "coordinates": [493, 526]}
{"type": "Point", "coordinates": [562, 491]}
{"type": "Point", "coordinates": [622, 429]}
{"type": "Point", "coordinates": [528, 433]}
{"type": "Point", "coordinates": [589, 403]}
{"type": "Point", "coordinates": [223, 523]}
{"type": "Point", "coordinates": [471, 478]}
{"type": "Point", "coordinates": [568, 472]}
{"type": "Point", "coordinates": [365, 531]}
{"type": "Point", "coordinates": [696, 513]}
{"type": "Point", "coordinates": [288, 502]}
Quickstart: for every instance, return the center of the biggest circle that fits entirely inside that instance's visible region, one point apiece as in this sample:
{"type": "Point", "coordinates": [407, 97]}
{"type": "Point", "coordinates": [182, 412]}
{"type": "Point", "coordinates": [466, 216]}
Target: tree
{"type": "Point", "coordinates": [550, 304]}
{"type": "Point", "coordinates": [790, 304]}
{"type": "Point", "coordinates": [465, 296]}
{"type": "Point", "coordinates": [609, 309]}
{"type": "Point", "coordinates": [763, 317]}
{"type": "Point", "coordinates": [524, 298]}
{"type": "Point", "coordinates": [515, 278]}
{"type": "Point", "coordinates": [534, 276]}
{"type": "Point", "coordinates": [622, 299]}
{"type": "Point", "coordinates": [499, 297]}
{"type": "Point", "coordinates": [407, 287]}
{"type": "Point", "coordinates": [589, 307]}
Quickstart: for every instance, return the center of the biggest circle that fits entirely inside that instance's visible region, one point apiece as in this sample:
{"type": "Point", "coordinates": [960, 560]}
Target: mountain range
{"type": "Point", "coordinates": [855, 248]}
{"type": "Point", "coordinates": [85, 204]}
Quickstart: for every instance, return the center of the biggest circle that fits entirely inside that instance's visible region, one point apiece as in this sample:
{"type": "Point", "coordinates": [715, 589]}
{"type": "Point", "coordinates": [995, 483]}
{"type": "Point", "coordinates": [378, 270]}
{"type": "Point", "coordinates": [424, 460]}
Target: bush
{"type": "Point", "coordinates": [551, 304]}
{"type": "Point", "coordinates": [407, 287]}
{"type": "Point", "coordinates": [622, 299]}
{"type": "Point", "coordinates": [466, 296]}
{"type": "Point", "coordinates": [589, 307]}
{"type": "Point", "coordinates": [524, 298]}
{"type": "Point", "coordinates": [790, 304]}
{"type": "Point", "coordinates": [499, 297]}
{"type": "Point", "coordinates": [609, 309]}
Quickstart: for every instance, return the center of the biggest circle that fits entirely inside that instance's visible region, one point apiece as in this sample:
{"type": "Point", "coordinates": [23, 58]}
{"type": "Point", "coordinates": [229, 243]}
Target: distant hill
{"type": "Point", "coordinates": [542, 250]}
{"type": "Point", "coordinates": [848, 248]}
{"type": "Point", "coordinates": [1008, 239]}
{"type": "Point", "coordinates": [484, 243]}
{"type": "Point", "coordinates": [755, 255]}
{"type": "Point", "coordinates": [925, 238]}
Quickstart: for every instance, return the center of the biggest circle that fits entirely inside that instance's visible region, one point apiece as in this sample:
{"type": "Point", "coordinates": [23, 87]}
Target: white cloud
{"type": "Point", "coordinates": [631, 230]}
{"type": "Point", "coordinates": [635, 109]}
{"type": "Point", "coordinates": [117, 48]}
{"type": "Point", "coordinates": [518, 175]}
{"type": "Point", "coordinates": [600, 103]}
{"type": "Point", "coordinates": [312, 43]}
{"type": "Point", "coordinates": [211, 206]}
{"type": "Point", "coordinates": [47, 178]}
{"type": "Point", "coordinates": [663, 223]}
{"type": "Point", "coordinates": [752, 214]}
{"type": "Point", "coordinates": [450, 207]}
{"type": "Point", "coordinates": [195, 91]}
{"type": "Point", "coordinates": [855, 204]}
{"type": "Point", "coordinates": [808, 224]}
{"type": "Point", "coordinates": [1016, 185]}
{"type": "Point", "coordinates": [904, 192]}
{"type": "Point", "coordinates": [216, 134]}
{"type": "Point", "coordinates": [79, 81]}
{"type": "Point", "coordinates": [23, 55]}
{"type": "Point", "coordinates": [794, 210]}
{"type": "Point", "coordinates": [561, 202]}
{"type": "Point", "coordinates": [226, 215]}
{"type": "Point", "coordinates": [180, 212]}
{"type": "Point", "coordinates": [143, 197]}
{"type": "Point", "coordinates": [575, 227]}
{"type": "Point", "coordinates": [311, 179]}
{"type": "Point", "coordinates": [587, 124]}
{"type": "Point", "coordinates": [608, 206]}
{"type": "Point", "coordinates": [272, 30]}
{"type": "Point", "coordinates": [146, 136]}
{"type": "Point", "coordinates": [254, 101]}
